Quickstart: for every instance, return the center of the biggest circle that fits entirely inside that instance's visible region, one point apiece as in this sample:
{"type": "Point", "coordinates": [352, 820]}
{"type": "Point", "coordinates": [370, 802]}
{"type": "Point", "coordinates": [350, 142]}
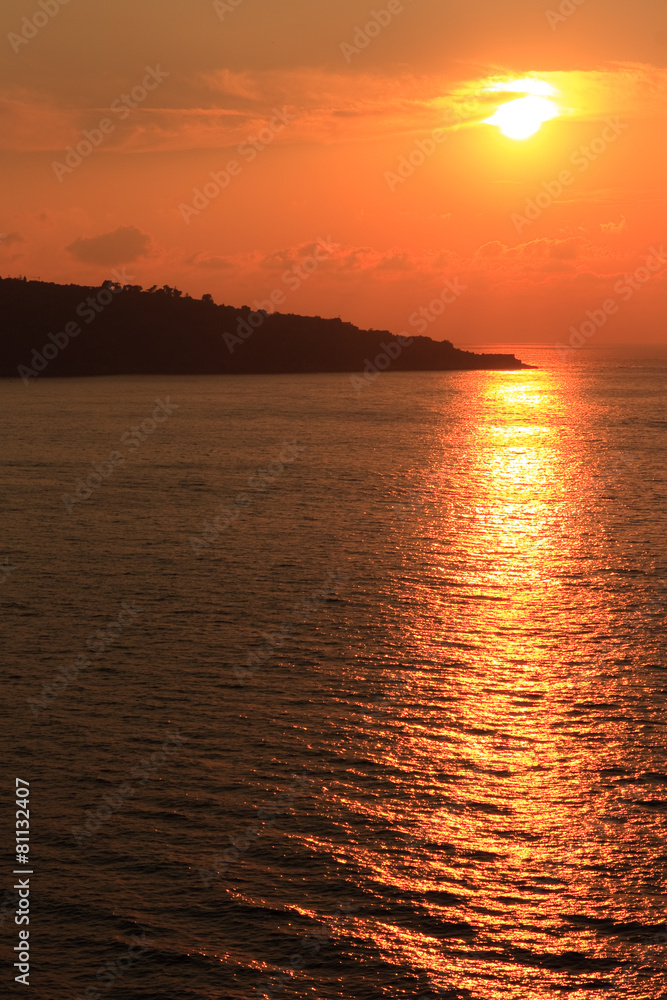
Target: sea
{"type": "Point", "coordinates": [326, 691]}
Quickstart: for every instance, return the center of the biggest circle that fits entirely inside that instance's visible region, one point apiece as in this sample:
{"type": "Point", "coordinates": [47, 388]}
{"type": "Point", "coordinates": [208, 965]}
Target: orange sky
{"type": "Point", "coordinates": [304, 122]}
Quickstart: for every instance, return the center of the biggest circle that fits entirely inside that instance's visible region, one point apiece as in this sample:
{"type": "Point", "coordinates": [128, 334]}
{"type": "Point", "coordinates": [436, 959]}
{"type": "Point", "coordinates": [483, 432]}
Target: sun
{"type": "Point", "coordinates": [523, 117]}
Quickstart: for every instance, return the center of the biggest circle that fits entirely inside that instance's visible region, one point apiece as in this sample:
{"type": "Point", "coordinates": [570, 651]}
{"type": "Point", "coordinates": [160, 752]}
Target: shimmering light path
{"type": "Point", "coordinates": [444, 773]}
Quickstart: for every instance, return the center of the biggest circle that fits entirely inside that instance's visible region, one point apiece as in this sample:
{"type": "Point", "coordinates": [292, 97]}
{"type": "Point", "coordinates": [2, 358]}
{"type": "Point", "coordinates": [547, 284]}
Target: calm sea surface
{"type": "Point", "coordinates": [325, 694]}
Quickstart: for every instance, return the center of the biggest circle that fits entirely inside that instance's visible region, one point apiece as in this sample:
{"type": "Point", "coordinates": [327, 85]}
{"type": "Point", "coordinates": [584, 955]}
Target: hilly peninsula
{"type": "Point", "coordinates": [51, 330]}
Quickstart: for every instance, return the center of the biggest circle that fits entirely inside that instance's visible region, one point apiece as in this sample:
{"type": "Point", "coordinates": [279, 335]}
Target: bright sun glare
{"type": "Point", "coordinates": [522, 117]}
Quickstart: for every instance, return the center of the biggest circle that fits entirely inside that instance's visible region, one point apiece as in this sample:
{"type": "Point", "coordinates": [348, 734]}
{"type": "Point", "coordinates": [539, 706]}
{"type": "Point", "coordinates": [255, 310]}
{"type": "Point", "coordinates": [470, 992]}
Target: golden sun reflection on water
{"type": "Point", "coordinates": [502, 734]}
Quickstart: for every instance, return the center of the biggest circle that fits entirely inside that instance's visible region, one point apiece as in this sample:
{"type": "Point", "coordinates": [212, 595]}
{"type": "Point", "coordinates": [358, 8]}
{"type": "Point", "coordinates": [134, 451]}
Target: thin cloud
{"type": "Point", "coordinates": [122, 246]}
{"type": "Point", "coordinates": [10, 239]}
{"type": "Point", "coordinates": [209, 262]}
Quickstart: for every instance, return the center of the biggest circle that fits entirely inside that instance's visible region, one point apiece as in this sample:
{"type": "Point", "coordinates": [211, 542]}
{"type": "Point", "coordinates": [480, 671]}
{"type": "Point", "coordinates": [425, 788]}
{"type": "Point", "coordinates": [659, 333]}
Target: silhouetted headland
{"type": "Point", "coordinates": [66, 330]}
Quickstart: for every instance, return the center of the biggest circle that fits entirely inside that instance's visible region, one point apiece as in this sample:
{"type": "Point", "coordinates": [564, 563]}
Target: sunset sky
{"type": "Point", "coordinates": [306, 122]}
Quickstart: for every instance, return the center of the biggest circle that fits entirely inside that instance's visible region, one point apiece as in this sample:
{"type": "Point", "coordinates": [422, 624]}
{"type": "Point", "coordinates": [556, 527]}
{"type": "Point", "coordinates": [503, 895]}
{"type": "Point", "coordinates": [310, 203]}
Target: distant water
{"type": "Point", "coordinates": [393, 725]}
